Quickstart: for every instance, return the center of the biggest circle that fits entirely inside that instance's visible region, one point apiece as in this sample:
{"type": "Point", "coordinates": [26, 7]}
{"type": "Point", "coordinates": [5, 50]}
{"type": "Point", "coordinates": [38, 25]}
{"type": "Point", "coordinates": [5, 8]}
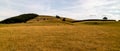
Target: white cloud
{"type": "Point", "coordinates": [76, 9]}
{"type": "Point", "coordinates": [6, 13]}
{"type": "Point", "coordinates": [97, 7]}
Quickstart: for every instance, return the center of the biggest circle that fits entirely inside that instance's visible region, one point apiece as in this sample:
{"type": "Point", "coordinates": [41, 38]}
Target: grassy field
{"type": "Point", "coordinates": [85, 36]}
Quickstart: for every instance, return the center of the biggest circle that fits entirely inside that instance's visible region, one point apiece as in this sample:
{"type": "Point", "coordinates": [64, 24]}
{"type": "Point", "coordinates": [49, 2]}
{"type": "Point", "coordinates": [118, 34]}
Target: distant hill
{"type": "Point", "coordinates": [91, 20]}
{"type": "Point", "coordinates": [35, 18]}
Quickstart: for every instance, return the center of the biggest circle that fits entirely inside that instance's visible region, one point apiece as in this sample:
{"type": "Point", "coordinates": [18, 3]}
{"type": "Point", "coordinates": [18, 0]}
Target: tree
{"type": "Point", "coordinates": [57, 16]}
{"type": "Point", "coordinates": [105, 18]}
{"type": "Point", "coordinates": [64, 19]}
{"type": "Point", "coordinates": [19, 19]}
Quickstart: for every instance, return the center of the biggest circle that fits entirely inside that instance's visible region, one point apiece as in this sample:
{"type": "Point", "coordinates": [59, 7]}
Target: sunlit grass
{"type": "Point", "coordinates": [62, 37]}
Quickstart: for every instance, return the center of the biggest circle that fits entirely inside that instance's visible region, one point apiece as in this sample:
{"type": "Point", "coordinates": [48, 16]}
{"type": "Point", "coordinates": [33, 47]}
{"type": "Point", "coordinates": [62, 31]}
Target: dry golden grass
{"type": "Point", "coordinates": [48, 19]}
{"type": "Point", "coordinates": [59, 38]}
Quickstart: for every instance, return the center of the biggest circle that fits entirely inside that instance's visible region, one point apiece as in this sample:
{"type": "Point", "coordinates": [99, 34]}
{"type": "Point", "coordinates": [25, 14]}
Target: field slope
{"type": "Point", "coordinates": [62, 37]}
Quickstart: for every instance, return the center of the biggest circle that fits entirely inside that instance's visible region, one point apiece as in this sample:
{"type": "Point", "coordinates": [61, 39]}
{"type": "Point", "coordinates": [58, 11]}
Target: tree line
{"type": "Point", "coordinates": [19, 19]}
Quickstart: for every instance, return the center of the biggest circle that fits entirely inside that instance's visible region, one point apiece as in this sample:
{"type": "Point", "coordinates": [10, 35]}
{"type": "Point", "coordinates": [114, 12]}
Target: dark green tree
{"type": "Point", "coordinates": [64, 19]}
{"type": "Point", "coordinates": [57, 16]}
{"type": "Point", "coordinates": [105, 18]}
{"type": "Point", "coordinates": [19, 19]}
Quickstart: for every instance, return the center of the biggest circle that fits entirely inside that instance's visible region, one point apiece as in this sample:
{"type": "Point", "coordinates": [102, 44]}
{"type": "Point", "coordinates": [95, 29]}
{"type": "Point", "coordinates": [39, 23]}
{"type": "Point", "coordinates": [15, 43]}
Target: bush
{"type": "Point", "coordinates": [64, 19]}
{"type": "Point", "coordinates": [19, 19]}
{"type": "Point", "coordinates": [57, 16]}
{"type": "Point", "coordinates": [105, 18]}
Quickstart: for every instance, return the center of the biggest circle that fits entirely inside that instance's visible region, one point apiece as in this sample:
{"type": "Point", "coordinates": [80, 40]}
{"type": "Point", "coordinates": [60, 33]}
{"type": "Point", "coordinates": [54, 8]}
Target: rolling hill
{"type": "Point", "coordinates": [51, 33]}
{"type": "Point", "coordinates": [35, 18]}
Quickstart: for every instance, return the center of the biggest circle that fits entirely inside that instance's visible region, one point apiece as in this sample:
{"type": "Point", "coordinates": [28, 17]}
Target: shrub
{"type": "Point", "coordinates": [57, 16]}
{"type": "Point", "coordinates": [64, 19]}
{"type": "Point", "coordinates": [105, 18]}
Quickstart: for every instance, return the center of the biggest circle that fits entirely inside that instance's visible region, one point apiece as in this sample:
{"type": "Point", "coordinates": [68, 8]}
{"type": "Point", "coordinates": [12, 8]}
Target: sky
{"type": "Point", "coordinates": [75, 9]}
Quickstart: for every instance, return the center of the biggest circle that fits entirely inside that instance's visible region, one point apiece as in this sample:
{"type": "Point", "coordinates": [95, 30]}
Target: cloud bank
{"type": "Point", "coordinates": [76, 9]}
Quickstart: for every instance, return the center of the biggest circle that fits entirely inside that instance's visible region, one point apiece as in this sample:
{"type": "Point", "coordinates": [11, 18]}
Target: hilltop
{"type": "Point", "coordinates": [35, 18]}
